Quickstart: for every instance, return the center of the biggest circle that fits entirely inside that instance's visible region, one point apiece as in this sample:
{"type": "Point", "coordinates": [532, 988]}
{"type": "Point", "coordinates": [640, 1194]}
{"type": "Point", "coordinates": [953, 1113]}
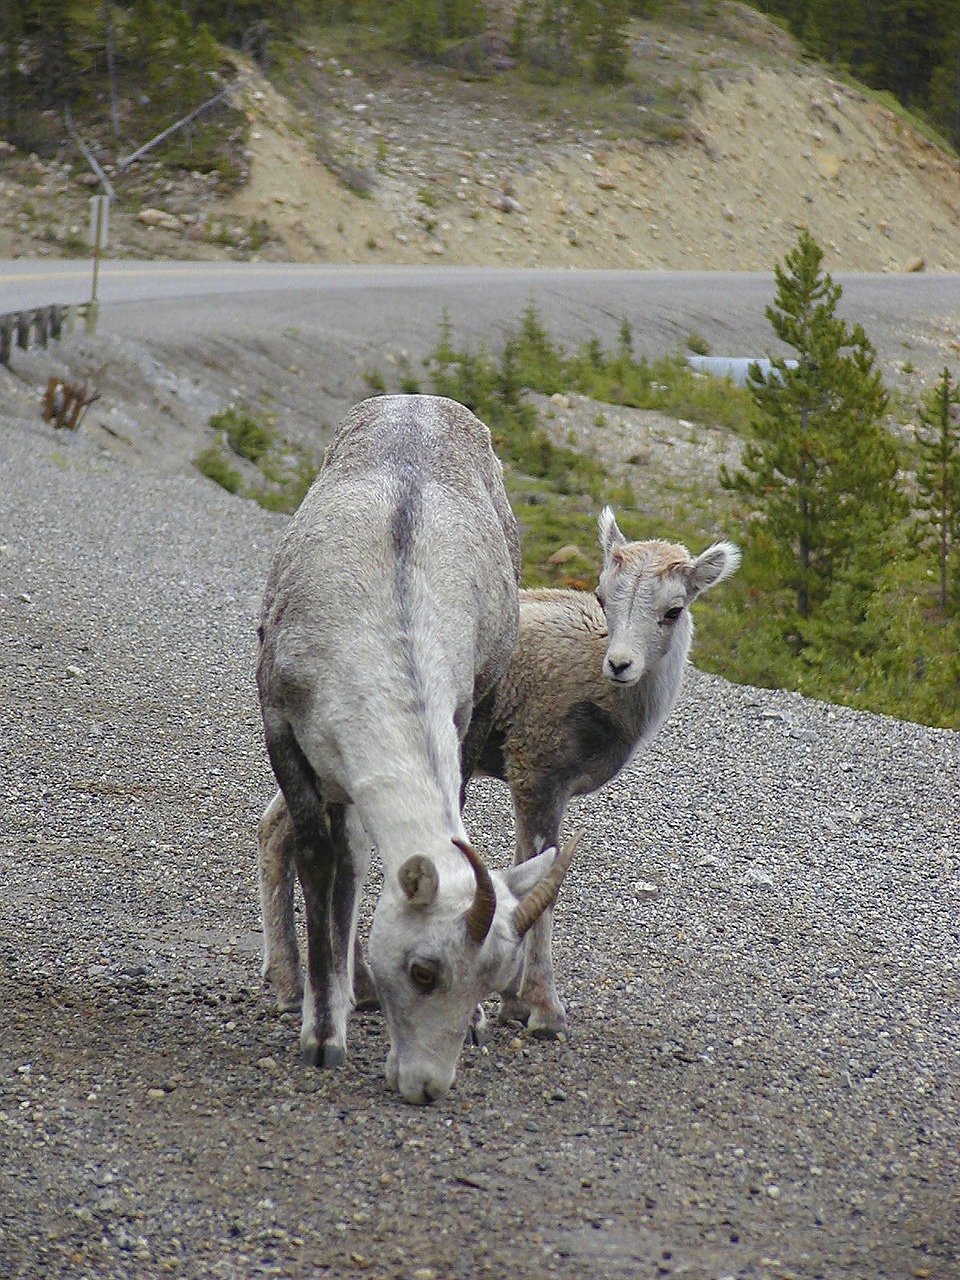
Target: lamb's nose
{"type": "Point", "coordinates": [617, 667]}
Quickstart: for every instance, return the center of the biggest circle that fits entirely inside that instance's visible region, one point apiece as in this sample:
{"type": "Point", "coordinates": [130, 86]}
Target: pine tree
{"type": "Point", "coordinates": [820, 467]}
{"type": "Point", "coordinates": [938, 480]}
{"type": "Point", "coordinates": [609, 39]}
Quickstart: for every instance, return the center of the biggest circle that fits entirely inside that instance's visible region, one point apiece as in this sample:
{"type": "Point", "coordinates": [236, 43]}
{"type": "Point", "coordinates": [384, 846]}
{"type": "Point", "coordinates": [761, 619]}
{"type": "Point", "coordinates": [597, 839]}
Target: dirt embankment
{"type": "Point", "coordinates": [425, 166]}
{"type": "Point", "coordinates": [784, 149]}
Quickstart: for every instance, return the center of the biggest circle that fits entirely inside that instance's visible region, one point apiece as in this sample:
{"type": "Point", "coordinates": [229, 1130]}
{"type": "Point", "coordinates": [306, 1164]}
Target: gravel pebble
{"type": "Point", "coordinates": [761, 1077]}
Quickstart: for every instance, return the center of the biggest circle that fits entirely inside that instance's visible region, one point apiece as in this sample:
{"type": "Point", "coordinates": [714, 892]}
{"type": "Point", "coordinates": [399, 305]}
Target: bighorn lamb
{"type": "Point", "coordinates": [389, 617]}
{"type": "Point", "coordinates": [592, 680]}
{"type": "Point", "coordinates": [587, 687]}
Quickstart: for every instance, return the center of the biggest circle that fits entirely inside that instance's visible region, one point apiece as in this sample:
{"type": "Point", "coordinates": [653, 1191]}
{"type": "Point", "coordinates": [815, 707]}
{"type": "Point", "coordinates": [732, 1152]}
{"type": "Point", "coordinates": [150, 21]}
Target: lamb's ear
{"type": "Point", "coordinates": [713, 565]}
{"type": "Point", "coordinates": [610, 535]}
{"type": "Point", "coordinates": [419, 881]}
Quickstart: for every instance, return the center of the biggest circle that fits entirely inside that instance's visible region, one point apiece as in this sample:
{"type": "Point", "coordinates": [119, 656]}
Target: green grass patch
{"type": "Point", "coordinates": [275, 472]}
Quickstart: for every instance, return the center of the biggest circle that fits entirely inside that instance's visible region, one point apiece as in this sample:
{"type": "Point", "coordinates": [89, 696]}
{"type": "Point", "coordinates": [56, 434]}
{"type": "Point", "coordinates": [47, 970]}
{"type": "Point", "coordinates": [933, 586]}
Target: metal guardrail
{"type": "Point", "coordinates": [36, 326]}
{"type": "Point", "coordinates": [736, 368]}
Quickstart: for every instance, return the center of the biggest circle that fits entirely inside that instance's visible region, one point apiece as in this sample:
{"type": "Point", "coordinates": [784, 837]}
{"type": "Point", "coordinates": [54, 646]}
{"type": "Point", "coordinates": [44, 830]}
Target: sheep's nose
{"type": "Point", "coordinates": [618, 667]}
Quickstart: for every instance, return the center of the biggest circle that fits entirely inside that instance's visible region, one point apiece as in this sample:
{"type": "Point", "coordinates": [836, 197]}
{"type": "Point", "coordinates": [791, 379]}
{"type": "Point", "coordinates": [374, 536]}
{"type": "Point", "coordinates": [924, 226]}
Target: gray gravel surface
{"type": "Point", "coordinates": [762, 1075]}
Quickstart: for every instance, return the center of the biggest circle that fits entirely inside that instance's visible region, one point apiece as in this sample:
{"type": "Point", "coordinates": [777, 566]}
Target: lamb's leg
{"type": "Point", "coordinates": [281, 955]}
{"type": "Point", "coordinates": [533, 999]}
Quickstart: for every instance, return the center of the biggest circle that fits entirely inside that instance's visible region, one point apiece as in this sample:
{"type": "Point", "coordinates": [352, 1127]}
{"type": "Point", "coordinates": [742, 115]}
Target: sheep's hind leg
{"type": "Point", "coordinates": [281, 955]}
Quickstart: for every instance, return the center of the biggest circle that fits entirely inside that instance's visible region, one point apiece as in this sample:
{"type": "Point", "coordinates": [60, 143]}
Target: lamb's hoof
{"type": "Point", "coordinates": [287, 992]}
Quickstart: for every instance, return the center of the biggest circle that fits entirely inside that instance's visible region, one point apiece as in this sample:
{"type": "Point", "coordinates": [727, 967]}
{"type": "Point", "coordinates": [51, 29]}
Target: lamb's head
{"type": "Point", "coordinates": [645, 590]}
{"type": "Point", "coordinates": [440, 943]}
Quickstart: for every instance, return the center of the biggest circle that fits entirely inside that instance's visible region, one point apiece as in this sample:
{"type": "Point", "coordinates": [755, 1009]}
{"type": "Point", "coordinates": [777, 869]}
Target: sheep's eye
{"type": "Point", "coordinates": [424, 977]}
{"type": "Point", "coordinates": [673, 614]}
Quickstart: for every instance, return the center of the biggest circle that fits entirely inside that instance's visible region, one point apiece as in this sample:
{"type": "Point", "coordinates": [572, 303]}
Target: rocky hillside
{"type": "Point", "coordinates": [432, 166]}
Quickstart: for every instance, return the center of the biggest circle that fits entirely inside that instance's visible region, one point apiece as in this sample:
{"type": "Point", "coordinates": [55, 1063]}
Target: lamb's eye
{"type": "Point", "coordinates": [673, 614]}
{"type": "Point", "coordinates": [424, 977]}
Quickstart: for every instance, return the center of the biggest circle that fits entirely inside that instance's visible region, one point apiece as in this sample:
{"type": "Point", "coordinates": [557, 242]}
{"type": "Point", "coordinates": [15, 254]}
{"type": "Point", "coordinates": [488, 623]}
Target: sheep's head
{"type": "Point", "coordinates": [645, 591]}
{"type": "Point", "coordinates": [442, 941]}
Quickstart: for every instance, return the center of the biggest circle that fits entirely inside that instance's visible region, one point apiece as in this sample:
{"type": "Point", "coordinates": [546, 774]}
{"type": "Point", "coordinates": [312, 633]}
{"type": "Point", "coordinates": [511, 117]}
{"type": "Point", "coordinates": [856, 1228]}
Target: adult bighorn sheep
{"type": "Point", "coordinates": [389, 617]}
{"type": "Point", "coordinates": [591, 681]}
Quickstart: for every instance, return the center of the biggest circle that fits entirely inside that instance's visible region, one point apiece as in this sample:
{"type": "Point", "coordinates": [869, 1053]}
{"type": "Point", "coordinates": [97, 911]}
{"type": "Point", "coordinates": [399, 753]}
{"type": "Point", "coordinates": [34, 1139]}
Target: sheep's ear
{"type": "Point", "coordinates": [419, 881]}
{"type": "Point", "coordinates": [610, 535]}
{"type": "Point", "coordinates": [713, 565]}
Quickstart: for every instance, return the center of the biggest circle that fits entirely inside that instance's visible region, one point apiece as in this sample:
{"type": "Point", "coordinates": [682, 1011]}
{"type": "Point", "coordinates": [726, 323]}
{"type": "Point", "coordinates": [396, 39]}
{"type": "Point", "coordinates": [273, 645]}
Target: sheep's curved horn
{"type": "Point", "coordinates": [479, 917]}
{"type": "Point", "coordinates": [544, 894]}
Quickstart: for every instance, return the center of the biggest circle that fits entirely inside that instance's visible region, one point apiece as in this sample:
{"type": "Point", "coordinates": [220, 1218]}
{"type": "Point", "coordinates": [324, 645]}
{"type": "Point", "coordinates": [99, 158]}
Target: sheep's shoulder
{"type": "Point", "coordinates": [550, 615]}
{"type": "Point", "coordinates": [557, 663]}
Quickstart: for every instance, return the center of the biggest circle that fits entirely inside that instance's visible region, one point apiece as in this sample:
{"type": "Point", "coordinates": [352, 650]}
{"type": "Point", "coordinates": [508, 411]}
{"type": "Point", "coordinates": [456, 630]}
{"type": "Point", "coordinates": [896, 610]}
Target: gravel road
{"type": "Point", "coordinates": [762, 1075]}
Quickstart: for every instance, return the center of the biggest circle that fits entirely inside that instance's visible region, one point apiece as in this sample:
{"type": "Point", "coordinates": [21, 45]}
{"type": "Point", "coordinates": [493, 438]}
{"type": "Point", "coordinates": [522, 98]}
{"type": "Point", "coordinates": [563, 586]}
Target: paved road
{"type": "Point", "coordinates": [351, 309]}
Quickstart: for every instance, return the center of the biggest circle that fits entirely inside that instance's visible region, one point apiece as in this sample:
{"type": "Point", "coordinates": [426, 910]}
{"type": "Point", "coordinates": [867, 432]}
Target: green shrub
{"type": "Point", "coordinates": [247, 437]}
{"type": "Point", "coordinates": [212, 462]}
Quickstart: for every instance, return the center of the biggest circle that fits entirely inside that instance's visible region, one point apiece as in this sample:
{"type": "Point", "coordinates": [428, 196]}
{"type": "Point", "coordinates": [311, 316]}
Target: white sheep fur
{"type": "Point", "coordinates": [389, 617]}
{"type": "Point", "coordinates": [562, 727]}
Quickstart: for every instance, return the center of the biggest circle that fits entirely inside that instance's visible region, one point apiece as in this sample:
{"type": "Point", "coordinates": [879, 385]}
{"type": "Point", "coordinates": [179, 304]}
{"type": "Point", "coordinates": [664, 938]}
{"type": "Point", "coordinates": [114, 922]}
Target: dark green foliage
{"type": "Point", "coordinates": [910, 47]}
{"type": "Point", "coordinates": [827, 601]}
{"type": "Point", "coordinates": [531, 360]}
{"type": "Point", "coordinates": [820, 466]}
{"type": "Point", "coordinates": [425, 27]}
{"type": "Point", "coordinates": [574, 38]}
{"type": "Point", "coordinates": [938, 483]}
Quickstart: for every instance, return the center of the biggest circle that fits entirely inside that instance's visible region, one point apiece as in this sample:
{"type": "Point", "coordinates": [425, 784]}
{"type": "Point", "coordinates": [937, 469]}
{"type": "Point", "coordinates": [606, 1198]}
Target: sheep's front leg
{"type": "Point", "coordinates": [533, 997]}
{"type": "Point", "coordinates": [281, 954]}
{"type": "Point", "coordinates": [331, 891]}
{"type": "Point", "coordinates": [364, 990]}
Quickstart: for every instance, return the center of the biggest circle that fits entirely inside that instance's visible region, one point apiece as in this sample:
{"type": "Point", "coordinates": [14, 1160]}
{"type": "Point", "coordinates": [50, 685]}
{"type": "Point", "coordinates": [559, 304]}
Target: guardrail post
{"type": "Point", "coordinates": [43, 323]}
{"type": "Point", "coordinates": [23, 321]}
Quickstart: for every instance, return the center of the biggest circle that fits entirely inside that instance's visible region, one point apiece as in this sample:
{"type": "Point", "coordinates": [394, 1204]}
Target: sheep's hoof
{"type": "Point", "coordinates": [327, 1055]}
{"type": "Point", "coordinates": [477, 1032]}
{"type": "Point", "coordinates": [513, 1009]}
{"type": "Point", "coordinates": [546, 1026]}
{"type": "Point", "coordinates": [334, 1055]}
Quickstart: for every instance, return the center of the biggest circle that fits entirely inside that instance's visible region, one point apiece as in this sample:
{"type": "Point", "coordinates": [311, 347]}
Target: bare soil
{"type": "Point", "coordinates": [428, 165]}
